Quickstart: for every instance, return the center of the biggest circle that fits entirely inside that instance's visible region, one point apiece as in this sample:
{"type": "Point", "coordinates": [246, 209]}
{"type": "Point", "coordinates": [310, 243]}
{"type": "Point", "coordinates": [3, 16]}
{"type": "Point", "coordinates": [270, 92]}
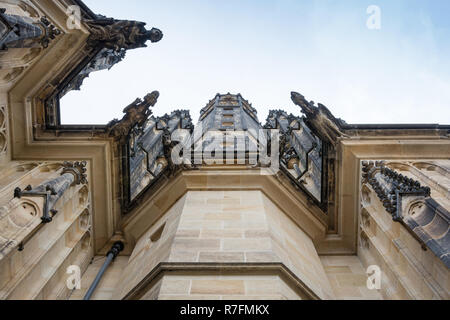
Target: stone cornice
{"type": "Point", "coordinates": [295, 204]}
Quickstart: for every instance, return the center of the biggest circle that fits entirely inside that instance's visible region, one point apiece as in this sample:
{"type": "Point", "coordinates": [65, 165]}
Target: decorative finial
{"type": "Point", "coordinates": [78, 169]}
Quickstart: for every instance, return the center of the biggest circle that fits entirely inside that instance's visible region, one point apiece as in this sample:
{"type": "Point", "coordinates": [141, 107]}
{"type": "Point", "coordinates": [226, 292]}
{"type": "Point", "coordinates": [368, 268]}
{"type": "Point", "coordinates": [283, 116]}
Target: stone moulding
{"type": "Point", "coordinates": [222, 268]}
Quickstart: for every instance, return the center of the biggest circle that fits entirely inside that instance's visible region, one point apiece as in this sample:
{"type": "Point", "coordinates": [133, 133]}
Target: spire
{"type": "Point", "coordinates": [229, 112]}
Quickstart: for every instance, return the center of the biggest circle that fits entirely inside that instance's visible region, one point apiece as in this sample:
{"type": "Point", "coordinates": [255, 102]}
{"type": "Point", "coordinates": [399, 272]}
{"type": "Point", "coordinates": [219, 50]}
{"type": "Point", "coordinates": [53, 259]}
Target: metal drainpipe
{"type": "Point", "coordinates": [112, 254]}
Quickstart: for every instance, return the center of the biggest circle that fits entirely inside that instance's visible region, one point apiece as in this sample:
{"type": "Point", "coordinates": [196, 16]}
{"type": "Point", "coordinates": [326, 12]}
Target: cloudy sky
{"type": "Point", "coordinates": [264, 49]}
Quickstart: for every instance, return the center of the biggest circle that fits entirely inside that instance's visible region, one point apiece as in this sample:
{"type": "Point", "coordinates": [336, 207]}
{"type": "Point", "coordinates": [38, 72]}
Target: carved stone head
{"type": "Point", "coordinates": [154, 35]}
{"type": "Point", "coordinates": [152, 98]}
{"type": "Point", "coordinates": [308, 108]}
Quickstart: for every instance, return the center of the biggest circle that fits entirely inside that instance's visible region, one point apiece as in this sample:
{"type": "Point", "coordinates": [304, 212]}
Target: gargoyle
{"type": "Point", "coordinates": [135, 115]}
{"type": "Point", "coordinates": [320, 119]}
{"type": "Point", "coordinates": [121, 34]}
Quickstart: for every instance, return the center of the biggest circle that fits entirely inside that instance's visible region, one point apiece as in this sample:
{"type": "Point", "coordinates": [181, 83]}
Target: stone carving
{"type": "Point", "coordinates": [50, 32]}
{"type": "Point", "coordinates": [120, 34]}
{"type": "Point", "coordinates": [78, 170]}
{"type": "Point", "coordinates": [150, 145]}
{"type": "Point", "coordinates": [53, 190]}
{"type": "Point", "coordinates": [365, 196]}
{"type": "Point", "coordinates": [23, 32]}
{"type": "Point", "coordinates": [300, 151]}
{"type": "Point", "coordinates": [105, 59]}
{"type": "Point", "coordinates": [108, 43]}
{"type": "Point", "coordinates": [150, 148]}
{"type": "Point", "coordinates": [135, 115]}
{"type": "Point", "coordinates": [171, 146]}
{"type": "Point", "coordinates": [430, 223]}
{"type": "Point", "coordinates": [320, 119]}
{"type": "Point", "coordinates": [364, 240]}
{"type": "Point", "coordinates": [365, 218]}
{"type": "Point", "coordinates": [411, 204]}
{"type": "Point", "coordinates": [390, 186]}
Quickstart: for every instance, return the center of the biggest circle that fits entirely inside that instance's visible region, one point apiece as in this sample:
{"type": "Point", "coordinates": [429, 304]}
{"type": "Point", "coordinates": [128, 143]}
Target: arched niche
{"type": "Point", "coordinates": [85, 221]}
{"type": "Point", "coordinates": [365, 218]}
{"type": "Point", "coordinates": [366, 200]}
{"type": "Point", "coordinates": [83, 197]}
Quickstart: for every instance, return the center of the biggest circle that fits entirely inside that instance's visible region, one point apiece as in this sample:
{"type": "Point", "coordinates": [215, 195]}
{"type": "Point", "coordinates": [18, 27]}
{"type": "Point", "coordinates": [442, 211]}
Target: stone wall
{"type": "Point", "coordinates": [348, 278]}
{"type": "Point", "coordinates": [227, 229]}
{"type": "Point", "coordinates": [151, 249]}
{"type": "Point", "coordinates": [35, 256]}
{"type": "Point", "coordinates": [108, 283]}
{"type": "Point", "coordinates": [225, 287]}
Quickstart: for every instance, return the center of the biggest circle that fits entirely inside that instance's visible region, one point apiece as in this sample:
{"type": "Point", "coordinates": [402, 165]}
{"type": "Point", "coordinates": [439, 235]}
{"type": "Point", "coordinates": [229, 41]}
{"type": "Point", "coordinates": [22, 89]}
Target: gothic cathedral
{"type": "Point", "coordinates": [300, 207]}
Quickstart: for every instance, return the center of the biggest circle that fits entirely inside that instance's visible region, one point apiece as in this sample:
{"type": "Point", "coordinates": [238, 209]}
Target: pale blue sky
{"type": "Point", "coordinates": [266, 49]}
